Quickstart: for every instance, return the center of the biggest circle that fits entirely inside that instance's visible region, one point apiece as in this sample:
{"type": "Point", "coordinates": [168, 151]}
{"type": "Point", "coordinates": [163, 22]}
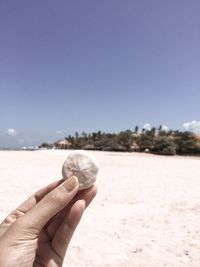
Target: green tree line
{"type": "Point", "coordinates": [155, 141]}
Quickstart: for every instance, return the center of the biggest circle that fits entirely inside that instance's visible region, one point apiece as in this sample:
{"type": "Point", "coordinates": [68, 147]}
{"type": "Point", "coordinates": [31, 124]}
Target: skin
{"type": "Point", "coordinates": [38, 232]}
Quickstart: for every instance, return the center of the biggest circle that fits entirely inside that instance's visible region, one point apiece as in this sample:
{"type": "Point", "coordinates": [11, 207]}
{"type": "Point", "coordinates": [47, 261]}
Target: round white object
{"type": "Point", "coordinates": [81, 164]}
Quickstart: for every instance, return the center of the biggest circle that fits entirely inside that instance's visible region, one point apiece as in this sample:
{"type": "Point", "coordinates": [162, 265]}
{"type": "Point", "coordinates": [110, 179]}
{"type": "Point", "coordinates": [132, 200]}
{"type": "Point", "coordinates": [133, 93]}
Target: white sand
{"type": "Point", "coordinates": [146, 213]}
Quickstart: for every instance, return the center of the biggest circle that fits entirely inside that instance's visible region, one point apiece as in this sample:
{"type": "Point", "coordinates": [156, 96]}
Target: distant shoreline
{"type": "Point", "coordinates": [117, 152]}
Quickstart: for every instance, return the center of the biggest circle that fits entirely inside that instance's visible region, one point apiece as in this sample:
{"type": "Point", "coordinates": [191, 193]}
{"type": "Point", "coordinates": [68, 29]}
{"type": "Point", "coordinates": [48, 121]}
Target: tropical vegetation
{"type": "Point", "coordinates": [155, 140]}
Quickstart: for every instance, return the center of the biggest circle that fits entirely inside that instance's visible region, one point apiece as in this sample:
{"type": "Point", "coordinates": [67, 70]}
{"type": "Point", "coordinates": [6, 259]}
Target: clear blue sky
{"type": "Point", "coordinates": [88, 65]}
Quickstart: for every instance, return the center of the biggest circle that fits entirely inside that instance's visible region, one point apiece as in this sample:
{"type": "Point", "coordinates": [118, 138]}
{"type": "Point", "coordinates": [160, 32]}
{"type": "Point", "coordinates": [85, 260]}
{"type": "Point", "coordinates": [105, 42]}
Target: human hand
{"type": "Point", "coordinates": [38, 232]}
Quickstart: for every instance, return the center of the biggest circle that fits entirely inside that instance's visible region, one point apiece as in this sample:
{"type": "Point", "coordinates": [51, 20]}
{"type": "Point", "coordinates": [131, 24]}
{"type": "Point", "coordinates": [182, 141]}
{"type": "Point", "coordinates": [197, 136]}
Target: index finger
{"type": "Point", "coordinates": [37, 196]}
{"type": "Point", "coordinates": [27, 205]}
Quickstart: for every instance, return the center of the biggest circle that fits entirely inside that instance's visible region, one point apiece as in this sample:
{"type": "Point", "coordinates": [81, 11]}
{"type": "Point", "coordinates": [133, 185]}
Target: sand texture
{"type": "Point", "coordinates": [146, 213]}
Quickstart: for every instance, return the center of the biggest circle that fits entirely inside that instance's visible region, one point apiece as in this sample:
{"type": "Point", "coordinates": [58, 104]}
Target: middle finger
{"type": "Point", "coordinates": [56, 221]}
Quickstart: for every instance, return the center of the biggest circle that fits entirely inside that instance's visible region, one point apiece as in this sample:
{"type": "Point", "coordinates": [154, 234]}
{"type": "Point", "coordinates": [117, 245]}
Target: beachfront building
{"type": "Point", "coordinates": [63, 144]}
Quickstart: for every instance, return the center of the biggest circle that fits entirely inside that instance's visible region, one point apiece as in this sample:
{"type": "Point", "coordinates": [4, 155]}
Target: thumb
{"type": "Point", "coordinates": [50, 205]}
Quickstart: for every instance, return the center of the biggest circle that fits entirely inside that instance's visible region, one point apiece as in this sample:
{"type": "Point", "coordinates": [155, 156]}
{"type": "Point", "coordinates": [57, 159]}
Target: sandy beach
{"type": "Point", "coordinates": [146, 213]}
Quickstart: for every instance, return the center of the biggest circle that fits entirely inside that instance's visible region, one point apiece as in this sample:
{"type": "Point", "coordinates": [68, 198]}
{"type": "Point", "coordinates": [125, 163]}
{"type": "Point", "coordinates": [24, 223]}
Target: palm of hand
{"type": "Point", "coordinates": [21, 244]}
{"type": "Point", "coordinates": [46, 253]}
{"type": "Point", "coordinates": [28, 250]}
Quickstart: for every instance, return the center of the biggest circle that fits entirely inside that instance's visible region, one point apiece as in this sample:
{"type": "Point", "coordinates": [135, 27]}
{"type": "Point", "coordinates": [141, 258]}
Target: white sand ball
{"type": "Point", "coordinates": [82, 165]}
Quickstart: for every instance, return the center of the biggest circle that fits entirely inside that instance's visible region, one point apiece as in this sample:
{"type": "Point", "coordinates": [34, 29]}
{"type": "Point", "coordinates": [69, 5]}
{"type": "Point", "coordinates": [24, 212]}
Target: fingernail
{"type": "Point", "coordinates": [83, 203]}
{"type": "Point", "coordinates": [70, 183]}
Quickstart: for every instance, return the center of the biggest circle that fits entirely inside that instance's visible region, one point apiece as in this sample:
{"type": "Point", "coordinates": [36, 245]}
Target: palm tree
{"type": "Point", "coordinates": [136, 129]}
